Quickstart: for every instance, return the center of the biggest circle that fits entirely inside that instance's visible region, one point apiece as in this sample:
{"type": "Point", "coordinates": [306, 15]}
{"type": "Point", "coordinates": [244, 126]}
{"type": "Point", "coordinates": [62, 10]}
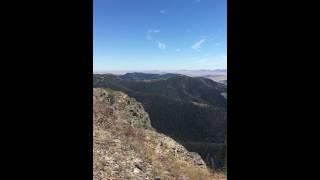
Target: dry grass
{"type": "Point", "coordinates": [167, 165]}
{"type": "Point", "coordinates": [125, 144]}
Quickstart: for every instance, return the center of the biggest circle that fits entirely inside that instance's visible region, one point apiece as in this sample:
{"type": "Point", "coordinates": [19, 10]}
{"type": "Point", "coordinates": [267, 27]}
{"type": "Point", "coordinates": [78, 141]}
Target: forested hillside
{"type": "Point", "coordinates": [190, 110]}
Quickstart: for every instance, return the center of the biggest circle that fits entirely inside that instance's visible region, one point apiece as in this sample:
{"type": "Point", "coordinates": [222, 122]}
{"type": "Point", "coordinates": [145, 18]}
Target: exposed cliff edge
{"type": "Point", "coordinates": [125, 146]}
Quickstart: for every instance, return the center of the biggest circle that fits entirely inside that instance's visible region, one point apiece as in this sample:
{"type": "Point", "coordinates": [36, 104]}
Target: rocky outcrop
{"type": "Point", "coordinates": [125, 146]}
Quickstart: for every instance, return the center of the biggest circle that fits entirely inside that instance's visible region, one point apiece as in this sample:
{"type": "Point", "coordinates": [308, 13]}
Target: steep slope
{"type": "Point", "coordinates": [190, 110]}
{"type": "Point", "coordinates": [184, 88]}
{"type": "Point", "coordinates": [127, 147]}
{"type": "Point", "coordinates": [175, 86]}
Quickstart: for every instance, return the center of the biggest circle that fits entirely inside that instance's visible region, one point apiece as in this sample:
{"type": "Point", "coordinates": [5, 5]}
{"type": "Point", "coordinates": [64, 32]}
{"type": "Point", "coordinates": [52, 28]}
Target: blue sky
{"type": "Point", "coordinates": [159, 34]}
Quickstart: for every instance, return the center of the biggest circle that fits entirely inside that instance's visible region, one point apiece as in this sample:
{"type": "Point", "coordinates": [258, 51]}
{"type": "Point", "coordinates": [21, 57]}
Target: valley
{"type": "Point", "coordinates": [191, 110]}
{"type": "Point", "coordinates": [126, 146]}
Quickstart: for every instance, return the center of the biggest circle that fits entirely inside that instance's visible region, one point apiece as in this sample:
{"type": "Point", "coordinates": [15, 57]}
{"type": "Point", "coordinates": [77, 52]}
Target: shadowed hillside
{"type": "Point", "coordinates": [125, 146]}
{"type": "Point", "coordinates": [190, 110]}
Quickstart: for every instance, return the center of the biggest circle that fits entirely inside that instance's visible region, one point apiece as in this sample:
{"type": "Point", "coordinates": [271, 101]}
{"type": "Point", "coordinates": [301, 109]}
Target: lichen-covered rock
{"type": "Point", "coordinates": [125, 146]}
{"type": "Point", "coordinates": [105, 101]}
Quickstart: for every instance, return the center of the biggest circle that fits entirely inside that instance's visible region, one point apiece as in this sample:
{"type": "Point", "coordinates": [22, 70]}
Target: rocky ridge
{"type": "Point", "coordinates": [125, 146]}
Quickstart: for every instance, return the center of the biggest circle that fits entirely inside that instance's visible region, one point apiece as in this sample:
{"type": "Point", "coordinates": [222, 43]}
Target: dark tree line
{"type": "Point", "coordinates": [170, 106]}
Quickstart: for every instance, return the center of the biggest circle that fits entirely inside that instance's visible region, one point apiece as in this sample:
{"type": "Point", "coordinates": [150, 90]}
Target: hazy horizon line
{"type": "Point", "coordinates": [160, 70]}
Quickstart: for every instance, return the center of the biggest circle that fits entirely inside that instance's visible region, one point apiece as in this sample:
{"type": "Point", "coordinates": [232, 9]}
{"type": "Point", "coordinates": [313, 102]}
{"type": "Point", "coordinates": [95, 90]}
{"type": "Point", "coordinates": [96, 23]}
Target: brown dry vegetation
{"type": "Point", "coordinates": [123, 150]}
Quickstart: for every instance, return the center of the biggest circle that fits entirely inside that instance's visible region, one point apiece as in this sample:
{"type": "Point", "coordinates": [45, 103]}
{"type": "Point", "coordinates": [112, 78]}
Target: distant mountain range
{"type": "Point", "coordinates": [191, 110]}
{"type": "Point", "coordinates": [218, 75]}
{"type": "Point", "coordinates": [145, 77]}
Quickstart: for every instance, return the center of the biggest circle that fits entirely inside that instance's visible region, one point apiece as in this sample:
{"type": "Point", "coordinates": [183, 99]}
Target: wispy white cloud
{"type": "Point", "coordinates": [161, 45]}
{"type": "Point", "coordinates": [197, 1]}
{"type": "Point", "coordinates": [163, 11]}
{"type": "Point", "coordinates": [217, 44]}
{"type": "Point", "coordinates": [198, 44]}
{"type": "Point", "coordinates": [151, 32]}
